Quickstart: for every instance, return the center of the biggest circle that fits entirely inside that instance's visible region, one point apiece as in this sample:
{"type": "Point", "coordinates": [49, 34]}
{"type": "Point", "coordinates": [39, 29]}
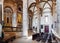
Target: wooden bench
{"type": "Point", "coordinates": [9, 36]}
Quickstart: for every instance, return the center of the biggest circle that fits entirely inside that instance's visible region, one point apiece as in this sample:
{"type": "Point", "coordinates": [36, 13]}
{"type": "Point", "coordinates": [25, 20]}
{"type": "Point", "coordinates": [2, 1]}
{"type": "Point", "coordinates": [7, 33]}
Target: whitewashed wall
{"type": "Point", "coordinates": [44, 20]}
{"type": "Point", "coordinates": [30, 1]}
{"type": "Point", "coordinates": [58, 16]}
{"type": "Point", "coordinates": [47, 19]}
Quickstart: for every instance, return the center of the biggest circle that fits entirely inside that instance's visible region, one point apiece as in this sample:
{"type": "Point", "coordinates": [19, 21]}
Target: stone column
{"type": "Point", "coordinates": [38, 16]}
{"type": "Point", "coordinates": [14, 21]}
{"type": "Point", "coordinates": [54, 15]}
{"type": "Point", "coordinates": [38, 22]}
{"type": "Point", "coordinates": [1, 8]}
{"type": "Point", "coordinates": [25, 19]}
{"type": "Point", "coordinates": [2, 11]}
{"type": "Point", "coordinates": [58, 15]}
{"type": "Point", "coordinates": [0, 30]}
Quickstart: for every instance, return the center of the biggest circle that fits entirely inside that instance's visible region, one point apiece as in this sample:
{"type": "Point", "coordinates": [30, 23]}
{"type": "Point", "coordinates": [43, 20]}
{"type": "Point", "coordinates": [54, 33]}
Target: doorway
{"type": "Point", "coordinates": [46, 29]}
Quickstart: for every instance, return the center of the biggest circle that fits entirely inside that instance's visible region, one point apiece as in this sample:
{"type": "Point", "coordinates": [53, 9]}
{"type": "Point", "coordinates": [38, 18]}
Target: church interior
{"type": "Point", "coordinates": [29, 21]}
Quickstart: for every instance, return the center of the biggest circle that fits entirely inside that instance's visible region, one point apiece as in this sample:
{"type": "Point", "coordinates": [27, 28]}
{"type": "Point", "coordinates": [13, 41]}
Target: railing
{"type": "Point", "coordinates": [12, 29]}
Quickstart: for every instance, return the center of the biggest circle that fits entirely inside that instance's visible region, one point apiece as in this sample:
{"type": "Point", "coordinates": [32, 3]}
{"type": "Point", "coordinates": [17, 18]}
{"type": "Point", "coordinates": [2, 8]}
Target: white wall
{"type": "Point", "coordinates": [58, 16]}
{"type": "Point", "coordinates": [47, 19]}
{"type": "Point", "coordinates": [55, 20]}
{"type": "Point", "coordinates": [44, 20]}
{"type": "Point", "coordinates": [34, 22]}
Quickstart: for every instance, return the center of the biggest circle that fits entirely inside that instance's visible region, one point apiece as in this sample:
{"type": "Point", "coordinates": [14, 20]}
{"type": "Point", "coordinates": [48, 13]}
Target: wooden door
{"type": "Point", "coordinates": [47, 29]}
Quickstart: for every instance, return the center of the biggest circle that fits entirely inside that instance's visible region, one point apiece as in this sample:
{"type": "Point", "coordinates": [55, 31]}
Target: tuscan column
{"type": "Point", "coordinates": [53, 14]}
{"type": "Point", "coordinates": [38, 14]}
{"type": "Point", "coordinates": [0, 30]}
{"type": "Point", "coordinates": [2, 11]}
{"type": "Point", "coordinates": [58, 16]}
{"type": "Point", "coordinates": [14, 17]}
{"type": "Point", "coordinates": [25, 19]}
{"type": "Point", "coordinates": [14, 21]}
{"type": "Point", "coordinates": [1, 4]}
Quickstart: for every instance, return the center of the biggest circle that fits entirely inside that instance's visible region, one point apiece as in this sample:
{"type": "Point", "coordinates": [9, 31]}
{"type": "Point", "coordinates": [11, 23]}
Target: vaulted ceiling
{"type": "Point", "coordinates": [20, 2]}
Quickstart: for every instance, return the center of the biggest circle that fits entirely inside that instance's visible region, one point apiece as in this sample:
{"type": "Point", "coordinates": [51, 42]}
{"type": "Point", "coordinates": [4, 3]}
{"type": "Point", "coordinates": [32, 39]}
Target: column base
{"type": "Point", "coordinates": [25, 37]}
{"type": "Point", "coordinates": [0, 30]}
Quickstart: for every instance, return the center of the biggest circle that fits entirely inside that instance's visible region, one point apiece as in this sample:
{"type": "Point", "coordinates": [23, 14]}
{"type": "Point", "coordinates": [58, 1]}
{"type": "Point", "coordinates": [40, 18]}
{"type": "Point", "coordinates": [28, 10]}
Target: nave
{"type": "Point", "coordinates": [29, 21]}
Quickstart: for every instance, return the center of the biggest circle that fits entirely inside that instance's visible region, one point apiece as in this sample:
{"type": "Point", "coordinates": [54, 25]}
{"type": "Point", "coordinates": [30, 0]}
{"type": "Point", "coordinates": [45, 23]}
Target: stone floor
{"type": "Point", "coordinates": [27, 40]}
{"type": "Point", "coordinates": [22, 40]}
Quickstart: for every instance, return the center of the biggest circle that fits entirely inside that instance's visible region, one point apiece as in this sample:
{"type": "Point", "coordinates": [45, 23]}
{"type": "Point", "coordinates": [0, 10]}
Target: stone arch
{"type": "Point", "coordinates": [31, 5]}
{"type": "Point", "coordinates": [8, 16]}
{"type": "Point", "coordinates": [47, 8]}
{"type": "Point", "coordinates": [10, 4]}
{"type": "Point", "coordinates": [47, 4]}
{"type": "Point", "coordinates": [8, 8]}
{"type": "Point", "coordinates": [47, 15]}
{"type": "Point", "coordinates": [31, 13]}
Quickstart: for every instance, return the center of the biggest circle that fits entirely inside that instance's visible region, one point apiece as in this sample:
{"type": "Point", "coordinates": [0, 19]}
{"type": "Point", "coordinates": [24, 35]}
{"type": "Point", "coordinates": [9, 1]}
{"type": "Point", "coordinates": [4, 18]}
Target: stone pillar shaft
{"type": "Point", "coordinates": [25, 19]}
{"type": "Point", "coordinates": [0, 30]}
{"type": "Point", "coordinates": [38, 18]}
{"type": "Point", "coordinates": [58, 15]}
{"type": "Point", "coordinates": [1, 12]}
{"type": "Point", "coordinates": [14, 21]}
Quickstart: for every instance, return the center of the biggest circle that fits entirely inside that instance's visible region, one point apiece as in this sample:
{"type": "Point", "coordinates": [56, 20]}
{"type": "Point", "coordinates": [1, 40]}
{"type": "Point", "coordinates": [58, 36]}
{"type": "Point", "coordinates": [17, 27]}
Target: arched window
{"type": "Point", "coordinates": [8, 10]}
{"type": "Point", "coordinates": [33, 8]}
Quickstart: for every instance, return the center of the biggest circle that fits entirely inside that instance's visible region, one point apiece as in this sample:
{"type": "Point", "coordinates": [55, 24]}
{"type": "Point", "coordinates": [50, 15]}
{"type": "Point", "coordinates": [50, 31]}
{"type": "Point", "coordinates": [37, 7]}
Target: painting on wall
{"type": "Point", "coordinates": [19, 18]}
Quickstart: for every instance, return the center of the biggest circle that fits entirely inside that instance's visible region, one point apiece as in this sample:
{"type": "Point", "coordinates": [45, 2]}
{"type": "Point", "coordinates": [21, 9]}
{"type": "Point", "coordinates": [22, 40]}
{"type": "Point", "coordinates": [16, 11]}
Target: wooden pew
{"type": "Point", "coordinates": [9, 36]}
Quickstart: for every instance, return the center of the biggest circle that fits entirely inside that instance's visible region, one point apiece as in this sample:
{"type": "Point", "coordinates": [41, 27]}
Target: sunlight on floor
{"type": "Point", "coordinates": [30, 37]}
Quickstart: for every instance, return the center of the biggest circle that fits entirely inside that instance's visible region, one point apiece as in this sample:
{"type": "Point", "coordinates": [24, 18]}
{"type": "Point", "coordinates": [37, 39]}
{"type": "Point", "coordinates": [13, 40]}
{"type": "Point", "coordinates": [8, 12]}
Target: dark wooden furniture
{"type": "Point", "coordinates": [9, 36]}
{"type": "Point", "coordinates": [36, 36]}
